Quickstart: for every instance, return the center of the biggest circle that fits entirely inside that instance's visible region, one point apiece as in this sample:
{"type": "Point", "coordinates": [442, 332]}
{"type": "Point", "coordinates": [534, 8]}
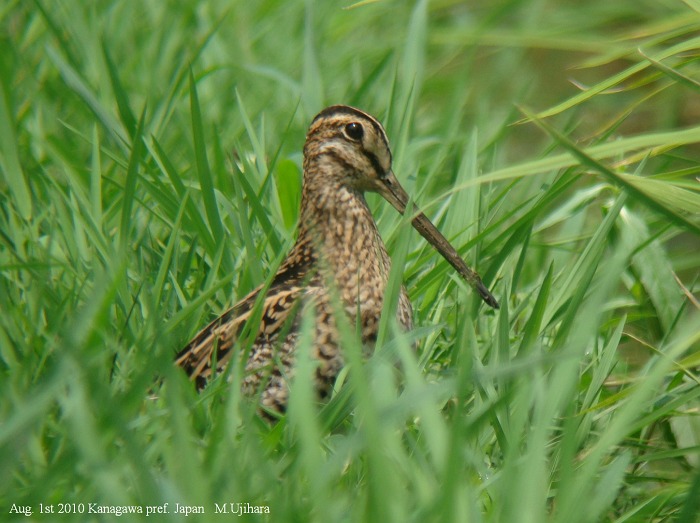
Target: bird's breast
{"type": "Point", "coordinates": [354, 260]}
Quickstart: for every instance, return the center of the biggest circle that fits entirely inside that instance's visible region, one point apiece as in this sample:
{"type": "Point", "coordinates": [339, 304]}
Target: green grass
{"type": "Point", "coordinates": [150, 160]}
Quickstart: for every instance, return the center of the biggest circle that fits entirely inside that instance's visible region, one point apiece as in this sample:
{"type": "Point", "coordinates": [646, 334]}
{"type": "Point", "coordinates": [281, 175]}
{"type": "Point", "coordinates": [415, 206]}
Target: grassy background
{"type": "Point", "coordinates": [150, 173]}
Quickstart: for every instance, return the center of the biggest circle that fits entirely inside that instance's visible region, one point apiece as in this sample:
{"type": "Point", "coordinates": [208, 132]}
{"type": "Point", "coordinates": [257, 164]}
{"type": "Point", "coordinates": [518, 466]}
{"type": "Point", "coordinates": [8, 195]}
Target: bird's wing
{"type": "Point", "coordinates": [278, 310]}
{"type": "Point", "coordinates": [219, 337]}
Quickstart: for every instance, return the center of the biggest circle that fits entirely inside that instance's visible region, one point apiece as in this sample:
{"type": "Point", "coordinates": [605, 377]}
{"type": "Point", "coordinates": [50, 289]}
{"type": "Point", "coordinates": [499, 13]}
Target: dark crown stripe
{"type": "Point", "coordinates": [337, 110]}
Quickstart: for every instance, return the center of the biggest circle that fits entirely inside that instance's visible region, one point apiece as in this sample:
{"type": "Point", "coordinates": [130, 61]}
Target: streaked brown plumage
{"type": "Point", "coordinates": [338, 246]}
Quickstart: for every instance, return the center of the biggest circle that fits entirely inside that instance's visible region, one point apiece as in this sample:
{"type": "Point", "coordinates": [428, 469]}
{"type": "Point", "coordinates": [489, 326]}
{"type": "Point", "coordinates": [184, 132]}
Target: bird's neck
{"type": "Point", "coordinates": [340, 226]}
{"type": "Point", "coordinates": [339, 220]}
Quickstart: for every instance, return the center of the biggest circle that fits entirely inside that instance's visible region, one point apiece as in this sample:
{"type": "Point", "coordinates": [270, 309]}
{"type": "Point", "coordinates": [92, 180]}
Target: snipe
{"type": "Point", "coordinates": [338, 245]}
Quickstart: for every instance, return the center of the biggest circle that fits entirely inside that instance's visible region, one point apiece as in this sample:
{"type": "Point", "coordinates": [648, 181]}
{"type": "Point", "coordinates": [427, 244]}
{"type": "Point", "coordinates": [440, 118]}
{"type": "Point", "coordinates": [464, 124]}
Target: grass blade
{"type": "Point", "coordinates": [132, 173]}
{"type": "Point", "coordinates": [614, 178]}
{"type": "Point", "coordinates": [9, 159]}
{"type": "Point", "coordinates": [206, 182]}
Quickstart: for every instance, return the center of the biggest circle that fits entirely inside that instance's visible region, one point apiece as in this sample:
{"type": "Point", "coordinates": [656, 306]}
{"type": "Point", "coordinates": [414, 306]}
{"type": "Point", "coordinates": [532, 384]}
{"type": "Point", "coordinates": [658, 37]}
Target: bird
{"type": "Point", "coordinates": [338, 252]}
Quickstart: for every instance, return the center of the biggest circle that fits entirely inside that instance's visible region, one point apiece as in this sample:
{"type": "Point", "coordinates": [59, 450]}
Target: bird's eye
{"type": "Point", "coordinates": [354, 131]}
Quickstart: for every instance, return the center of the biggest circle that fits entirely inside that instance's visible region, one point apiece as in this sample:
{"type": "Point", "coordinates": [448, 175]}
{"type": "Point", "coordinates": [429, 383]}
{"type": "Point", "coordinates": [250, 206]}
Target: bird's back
{"type": "Point", "coordinates": [212, 346]}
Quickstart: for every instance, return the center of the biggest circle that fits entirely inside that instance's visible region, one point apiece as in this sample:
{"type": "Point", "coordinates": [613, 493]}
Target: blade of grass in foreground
{"type": "Point", "coordinates": [623, 421]}
{"type": "Point", "coordinates": [672, 73]}
{"type": "Point", "coordinates": [203, 172]}
{"type": "Point", "coordinates": [260, 168]}
{"type": "Point", "coordinates": [302, 415]}
{"type": "Point", "coordinates": [78, 85]}
{"type": "Point", "coordinates": [132, 172]}
{"type": "Point", "coordinates": [195, 218]}
{"type": "Point", "coordinates": [121, 96]}
{"type": "Point", "coordinates": [10, 165]}
{"type": "Point", "coordinates": [688, 45]}
{"type": "Point", "coordinates": [614, 178]}
{"type": "Point", "coordinates": [650, 143]}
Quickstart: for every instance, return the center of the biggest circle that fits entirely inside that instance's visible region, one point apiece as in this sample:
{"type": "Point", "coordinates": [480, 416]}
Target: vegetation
{"type": "Point", "coordinates": [150, 167]}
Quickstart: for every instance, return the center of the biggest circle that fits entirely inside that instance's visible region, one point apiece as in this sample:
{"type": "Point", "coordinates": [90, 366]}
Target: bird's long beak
{"type": "Point", "coordinates": [390, 189]}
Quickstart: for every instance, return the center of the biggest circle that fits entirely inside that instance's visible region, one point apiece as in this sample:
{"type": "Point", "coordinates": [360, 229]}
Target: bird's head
{"type": "Point", "coordinates": [351, 147]}
{"type": "Point", "coordinates": [347, 148]}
